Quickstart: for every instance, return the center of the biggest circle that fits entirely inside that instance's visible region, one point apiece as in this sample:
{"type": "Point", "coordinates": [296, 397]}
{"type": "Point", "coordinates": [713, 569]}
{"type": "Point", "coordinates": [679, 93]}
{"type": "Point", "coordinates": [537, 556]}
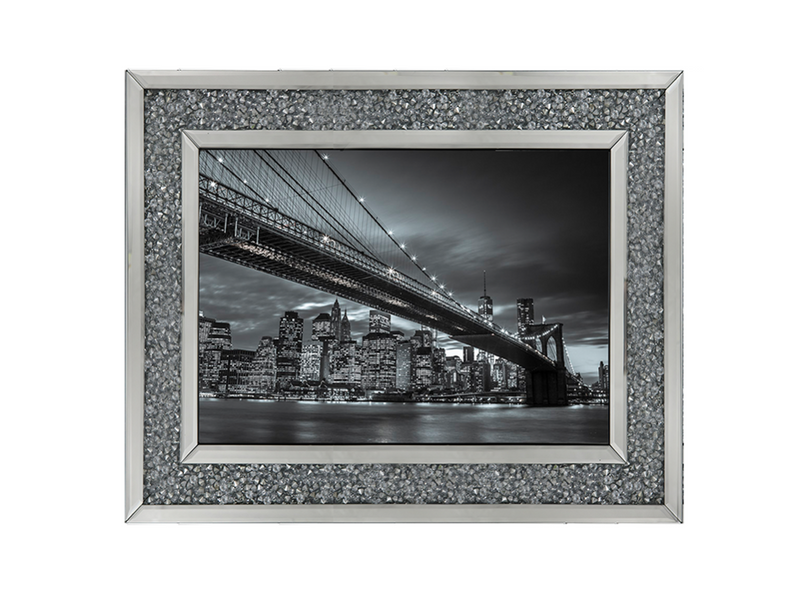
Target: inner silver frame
{"type": "Point", "coordinates": [193, 141]}
{"type": "Point", "coordinates": [193, 452]}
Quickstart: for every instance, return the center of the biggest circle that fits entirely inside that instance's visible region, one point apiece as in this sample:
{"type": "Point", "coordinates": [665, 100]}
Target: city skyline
{"type": "Point", "coordinates": [371, 325]}
{"type": "Point", "coordinates": [338, 363]}
{"type": "Point", "coordinates": [536, 222]}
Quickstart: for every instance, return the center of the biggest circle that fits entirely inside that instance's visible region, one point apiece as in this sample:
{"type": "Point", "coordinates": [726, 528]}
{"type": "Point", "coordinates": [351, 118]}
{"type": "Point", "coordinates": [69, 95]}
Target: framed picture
{"type": "Point", "coordinates": [358, 296]}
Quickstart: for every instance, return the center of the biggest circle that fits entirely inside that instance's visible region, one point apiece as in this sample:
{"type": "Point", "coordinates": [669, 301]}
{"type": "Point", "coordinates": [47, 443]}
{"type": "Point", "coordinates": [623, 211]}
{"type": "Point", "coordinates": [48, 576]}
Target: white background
{"type": "Point", "coordinates": [62, 297]}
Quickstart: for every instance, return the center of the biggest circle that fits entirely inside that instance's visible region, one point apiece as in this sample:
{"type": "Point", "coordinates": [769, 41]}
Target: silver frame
{"type": "Point", "coordinates": [193, 141]}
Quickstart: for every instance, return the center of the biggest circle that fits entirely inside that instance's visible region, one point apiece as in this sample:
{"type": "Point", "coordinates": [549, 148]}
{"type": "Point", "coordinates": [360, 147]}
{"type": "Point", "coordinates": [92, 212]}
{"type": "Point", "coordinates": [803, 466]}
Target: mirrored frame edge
{"type": "Point", "coordinates": [615, 141]}
{"type": "Point", "coordinates": [136, 511]}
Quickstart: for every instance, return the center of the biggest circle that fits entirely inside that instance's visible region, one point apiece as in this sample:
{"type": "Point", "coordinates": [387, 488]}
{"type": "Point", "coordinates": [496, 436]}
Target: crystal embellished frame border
{"type": "Point", "coordinates": [140, 509]}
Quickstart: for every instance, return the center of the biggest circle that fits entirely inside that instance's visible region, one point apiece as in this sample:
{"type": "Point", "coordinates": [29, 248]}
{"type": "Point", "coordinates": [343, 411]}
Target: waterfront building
{"type": "Point", "coordinates": [265, 365]}
{"type": "Point", "coordinates": [603, 376]}
{"type": "Point", "coordinates": [403, 365]}
{"type": "Point", "coordinates": [422, 368]}
{"type": "Point", "coordinates": [220, 336]}
{"type": "Point", "coordinates": [499, 374]}
{"type": "Point", "coordinates": [311, 360]}
{"type": "Point", "coordinates": [329, 344]}
{"type": "Point", "coordinates": [452, 372]}
{"type": "Point", "coordinates": [344, 366]}
{"type": "Point", "coordinates": [379, 369]}
{"type": "Point", "coordinates": [241, 378]}
{"type": "Point", "coordinates": [289, 347]}
{"type": "Point", "coordinates": [468, 354]}
{"type": "Point", "coordinates": [439, 377]}
{"type": "Point", "coordinates": [213, 339]}
{"type": "Point", "coordinates": [481, 376]}
{"type": "Point", "coordinates": [204, 326]}
{"type": "Point", "coordinates": [524, 314]}
{"type": "Point", "coordinates": [465, 376]}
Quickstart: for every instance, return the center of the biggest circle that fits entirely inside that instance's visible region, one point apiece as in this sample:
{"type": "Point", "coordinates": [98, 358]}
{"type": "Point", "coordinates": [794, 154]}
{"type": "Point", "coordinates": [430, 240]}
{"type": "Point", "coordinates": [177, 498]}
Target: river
{"type": "Point", "coordinates": [230, 421]}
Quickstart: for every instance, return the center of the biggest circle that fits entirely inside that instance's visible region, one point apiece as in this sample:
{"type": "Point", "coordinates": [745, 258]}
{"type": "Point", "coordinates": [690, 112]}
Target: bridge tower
{"type": "Point", "coordinates": [546, 387]}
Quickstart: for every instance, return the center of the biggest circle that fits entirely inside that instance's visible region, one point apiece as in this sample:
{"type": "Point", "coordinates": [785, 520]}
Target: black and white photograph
{"type": "Point", "coordinates": [403, 296]}
{"type": "Point", "coordinates": [101, 325]}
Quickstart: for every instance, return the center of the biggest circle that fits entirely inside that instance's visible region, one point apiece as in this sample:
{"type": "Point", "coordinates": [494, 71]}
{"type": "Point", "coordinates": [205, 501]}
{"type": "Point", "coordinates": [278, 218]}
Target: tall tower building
{"type": "Point", "coordinates": [311, 360]}
{"type": "Point", "coordinates": [485, 307]}
{"type": "Point", "coordinates": [379, 371]}
{"type": "Point", "coordinates": [289, 349]}
{"type": "Point", "coordinates": [346, 329]}
{"type": "Point", "coordinates": [524, 314]}
{"type": "Point", "coordinates": [403, 365]}
{"type": "Point", "coordinates": [603, 375]}
{"type": "Point", "coordinates": [265, 365]}
{"type": "Point", "coordinates": [214, 338]}
{"type": "Point", "coordinates": [335, 317]}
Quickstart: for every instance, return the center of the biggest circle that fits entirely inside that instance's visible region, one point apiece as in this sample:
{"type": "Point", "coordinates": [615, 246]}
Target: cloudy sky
{"type": "Point", "coordinates": [535, 221]}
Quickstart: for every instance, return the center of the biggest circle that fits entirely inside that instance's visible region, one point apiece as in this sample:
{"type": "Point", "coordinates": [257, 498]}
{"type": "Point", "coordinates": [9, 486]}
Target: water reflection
{"type": "Point", "coordinates": [223, 421]}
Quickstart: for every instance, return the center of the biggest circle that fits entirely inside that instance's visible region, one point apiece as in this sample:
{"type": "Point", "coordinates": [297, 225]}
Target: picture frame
{"type": "Point", "coordinates": [170, 477]}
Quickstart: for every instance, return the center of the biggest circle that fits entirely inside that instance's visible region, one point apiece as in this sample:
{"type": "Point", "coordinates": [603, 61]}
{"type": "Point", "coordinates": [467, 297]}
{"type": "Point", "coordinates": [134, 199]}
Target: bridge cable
{"type": "Point", "coordinates": [343, 230]}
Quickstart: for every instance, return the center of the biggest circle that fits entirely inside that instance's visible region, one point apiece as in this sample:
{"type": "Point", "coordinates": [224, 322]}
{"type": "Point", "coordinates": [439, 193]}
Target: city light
{"type": "Point", "coordinates": [362, 200]}
{"type": "Point", "coordinates": [402, 245]}
{"type": "Point", "coordinates": [390, 232]}
{"type": "Point", "coordinates": [213, 184]}
{"type": "Point", "coordinates": [414, 258]}
{"type": "Point", "coordinates": [326, 156]}
{"type": "Point", "coordinates": [220, 159]}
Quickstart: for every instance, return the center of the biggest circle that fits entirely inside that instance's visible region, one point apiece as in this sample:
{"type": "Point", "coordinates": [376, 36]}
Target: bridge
{"type": "Point", "coordinates": [290, 214]}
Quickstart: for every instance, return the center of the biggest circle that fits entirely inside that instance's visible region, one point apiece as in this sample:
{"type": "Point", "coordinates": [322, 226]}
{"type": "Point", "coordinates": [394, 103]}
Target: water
{"type": "Point", "coordinates": [229, 421]}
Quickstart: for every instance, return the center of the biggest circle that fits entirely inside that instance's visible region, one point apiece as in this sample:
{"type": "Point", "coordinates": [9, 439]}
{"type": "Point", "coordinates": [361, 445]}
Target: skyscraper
{"type": "Point", "coordinates": [524, 314]}
{"type": "Point", "coordinates": [485, 307]}
{"type": "Point", "coordinates": [603, 375]}
{"type": "Point", "coordinates": [265, 365]}
{"type": "Point", "coordinates": [311, 360]}
{"type": "Point", "coordinates": [346, 329]}
{"type": "Point", "coordinates": [379, 371]}
{"type": "Point", "coordinates": [240, 375]}
{"type": "Point", "coordinates": [213, 339]}
{"type": "Point", "coordinates": [289, 348]}
{"type": "Point", "coordinates": [379, 322]}
{"type": "Point", "coordinates": [335, 317]}
{"type": "Point", "coordinates": [322, 326]}
{"type": "Point", "coordinates": [422, 361]}
{"type": "Point", "coordinates": [403, 365]}
{"type": "Point", "coordinates": [344, 366]}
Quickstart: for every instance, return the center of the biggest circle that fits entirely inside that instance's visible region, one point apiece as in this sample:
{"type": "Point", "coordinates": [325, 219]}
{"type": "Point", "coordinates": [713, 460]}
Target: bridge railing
{"type": "Point", "coordinates": [261, 212]}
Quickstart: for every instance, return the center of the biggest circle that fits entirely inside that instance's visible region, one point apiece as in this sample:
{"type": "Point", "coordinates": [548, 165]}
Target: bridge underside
{"type": "Point", "coordinates": [279, 252]}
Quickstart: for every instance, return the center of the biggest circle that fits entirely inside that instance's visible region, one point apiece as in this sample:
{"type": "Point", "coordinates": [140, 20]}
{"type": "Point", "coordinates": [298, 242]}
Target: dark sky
{"type": "Point", "coordinates": [536, 221]}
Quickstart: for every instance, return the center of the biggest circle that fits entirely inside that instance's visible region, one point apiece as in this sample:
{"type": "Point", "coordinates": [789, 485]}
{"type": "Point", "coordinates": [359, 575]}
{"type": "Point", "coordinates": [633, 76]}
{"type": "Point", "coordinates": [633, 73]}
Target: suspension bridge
{"type": "Point", "coordinates": [288, 213]}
